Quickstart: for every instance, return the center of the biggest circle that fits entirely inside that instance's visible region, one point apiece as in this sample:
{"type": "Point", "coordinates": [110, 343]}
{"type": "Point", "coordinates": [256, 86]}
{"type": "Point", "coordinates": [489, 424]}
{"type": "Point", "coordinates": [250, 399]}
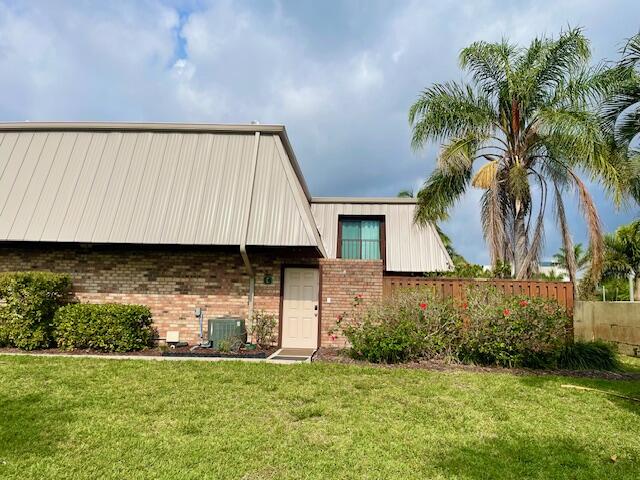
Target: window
{"type": "Point", "coordinates": [361, 238]}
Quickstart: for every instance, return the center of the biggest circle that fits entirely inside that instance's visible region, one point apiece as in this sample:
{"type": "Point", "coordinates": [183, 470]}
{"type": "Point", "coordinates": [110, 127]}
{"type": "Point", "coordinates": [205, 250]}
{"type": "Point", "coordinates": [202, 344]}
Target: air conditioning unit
{"type": "Point", "coordinates": [226, 328]}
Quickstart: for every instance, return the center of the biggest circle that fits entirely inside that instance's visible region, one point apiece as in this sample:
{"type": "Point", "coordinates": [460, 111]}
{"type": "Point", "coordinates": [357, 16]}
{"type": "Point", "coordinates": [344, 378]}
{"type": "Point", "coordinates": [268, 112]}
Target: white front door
{"type": "Point", "coordinates": [300, 308]}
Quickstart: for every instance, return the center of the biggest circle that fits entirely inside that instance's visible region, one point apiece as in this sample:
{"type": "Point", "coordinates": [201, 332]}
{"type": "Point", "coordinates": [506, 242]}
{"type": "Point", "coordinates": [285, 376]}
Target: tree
{"type": "Point", "coordinates": [533, 117]}
{"type": "Point", "coordinates": [622, 254]}
{"type": "Point", "coordinates": [582, 257]}
{"type": "Point", "coordinates": [622, 111]}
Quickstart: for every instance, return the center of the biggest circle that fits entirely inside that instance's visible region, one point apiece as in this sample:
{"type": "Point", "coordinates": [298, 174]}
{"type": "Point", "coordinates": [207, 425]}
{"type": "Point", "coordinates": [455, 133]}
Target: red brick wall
{"type": "Point", "coordinates": [171, 281]}
{"type": "Point", "coordinates": [341, 281]}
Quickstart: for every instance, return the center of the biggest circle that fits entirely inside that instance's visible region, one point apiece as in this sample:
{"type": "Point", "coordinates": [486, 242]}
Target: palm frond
{"type": "Point", "coordinates": [439, 193]}
{"type": "Point", "coordinates": [631, 51]}
{"type": "Point", "coordinates": [493, 221]}
{"type": "Point", "coordinates": [567, 242]}
{"type": "Point", "coordinates": [405, 193]}
{"type": "Point", "coordinates": [486, 175]}
{"type": "Point", "coordinates": [450, 110]}
{"type": "Point", "coordinates": [594, 227]}
{"type": "Point", "coordinates": [459, 153]}
{"type": "Point", "coordinates": [487, 63]}
{"type": "Point", "coordinates": [557, 59]}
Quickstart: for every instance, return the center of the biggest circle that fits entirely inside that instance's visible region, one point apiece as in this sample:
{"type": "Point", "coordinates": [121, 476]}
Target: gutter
{"type": "Point", "coordinates": [245, 236]}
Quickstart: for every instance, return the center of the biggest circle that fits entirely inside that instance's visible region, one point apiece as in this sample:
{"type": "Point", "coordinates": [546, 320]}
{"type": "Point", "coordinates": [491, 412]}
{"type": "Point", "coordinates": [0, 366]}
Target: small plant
{"type": "Point", "coordinates": [224, 346]}
{"type": "Point", "coordinates": [597, 355]}
{"type": "Point", "coordinates": [263, 327]}
{"type": "Point", "coordinates": [230, 344]}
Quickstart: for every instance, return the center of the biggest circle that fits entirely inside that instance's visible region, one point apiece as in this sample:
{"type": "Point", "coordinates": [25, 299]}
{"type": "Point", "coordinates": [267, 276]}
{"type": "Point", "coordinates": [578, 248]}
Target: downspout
{"type": "Point", "coordinates": [245, 235]}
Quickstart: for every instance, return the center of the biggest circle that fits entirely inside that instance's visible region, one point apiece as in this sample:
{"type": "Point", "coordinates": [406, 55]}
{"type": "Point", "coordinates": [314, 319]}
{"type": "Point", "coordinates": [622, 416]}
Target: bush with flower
{"type": "Point", "coordinates": [410, 325]}
{"type": "Point", "coordinates": [486, 327]}
{"type": "Point", "coordinates": [511, 330]}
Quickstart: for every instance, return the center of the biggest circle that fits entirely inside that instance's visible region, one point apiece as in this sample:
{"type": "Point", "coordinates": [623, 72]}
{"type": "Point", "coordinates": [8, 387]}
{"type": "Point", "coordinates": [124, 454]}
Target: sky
{"type": "Point", "coordinates": [340, 75]}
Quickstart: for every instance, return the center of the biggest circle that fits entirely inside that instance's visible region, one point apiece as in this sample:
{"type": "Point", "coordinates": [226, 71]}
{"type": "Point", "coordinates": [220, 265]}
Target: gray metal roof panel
{"type": "Point", "coordinates": [165, 185]}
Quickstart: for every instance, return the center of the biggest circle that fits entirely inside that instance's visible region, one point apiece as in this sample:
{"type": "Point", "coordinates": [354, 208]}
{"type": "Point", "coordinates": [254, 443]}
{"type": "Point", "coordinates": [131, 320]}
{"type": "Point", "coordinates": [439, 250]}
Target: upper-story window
{"type": "Point", "coordinates": [361, 238]}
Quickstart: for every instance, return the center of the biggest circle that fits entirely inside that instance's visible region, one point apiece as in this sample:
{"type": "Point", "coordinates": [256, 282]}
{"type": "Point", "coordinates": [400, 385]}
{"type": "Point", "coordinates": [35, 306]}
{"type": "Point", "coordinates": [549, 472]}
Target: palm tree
{"type": "Point", "coordinates": [532, 116]}
{"type": "Point", "coordinates": [622, 254]}
{"type": "Point", "coordinates": [582, 257]}
{"type": "Point", "coordinates": [623, 110]}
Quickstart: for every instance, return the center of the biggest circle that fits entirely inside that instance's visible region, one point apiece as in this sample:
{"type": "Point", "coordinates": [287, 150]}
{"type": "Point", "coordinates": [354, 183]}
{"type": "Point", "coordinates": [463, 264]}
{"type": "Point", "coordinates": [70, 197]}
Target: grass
{"type": "Point", "coordinates": [87, 418]}
{"type": "Point", "coordinates": [630, 364]}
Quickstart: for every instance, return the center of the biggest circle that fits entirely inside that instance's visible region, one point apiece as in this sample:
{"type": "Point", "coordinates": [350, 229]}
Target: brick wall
{"type": "Point", "coordinates": [171, 281]}
{"type": "Point", "coordinates": [341, 281]}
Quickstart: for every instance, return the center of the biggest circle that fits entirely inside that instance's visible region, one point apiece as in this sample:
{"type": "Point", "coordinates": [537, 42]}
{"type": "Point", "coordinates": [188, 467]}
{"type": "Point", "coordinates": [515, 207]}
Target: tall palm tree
{"type": "Point", "coordinates": [581, 256]}
{"type": "Point", "coordinates": [531, 116]}
{"type": "Point", "coordinates": [622, 254]}
{"type": "Point", "coordinates": [622, 111]}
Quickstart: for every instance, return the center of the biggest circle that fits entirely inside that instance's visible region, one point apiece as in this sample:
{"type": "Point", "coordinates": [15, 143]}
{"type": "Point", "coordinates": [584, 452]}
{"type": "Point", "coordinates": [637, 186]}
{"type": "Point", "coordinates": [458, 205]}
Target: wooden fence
{"type": "Point", "coordinates": [562, 292]}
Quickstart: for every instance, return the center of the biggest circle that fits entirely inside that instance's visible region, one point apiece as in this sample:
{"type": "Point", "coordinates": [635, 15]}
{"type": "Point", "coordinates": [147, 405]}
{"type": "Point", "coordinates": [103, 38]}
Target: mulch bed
{"type": "Point", "coordinates": [154, 352]}
{"type": "Point", "coordinates": [209, 352]}
{"type": "Point", "coordinates": [334, 355]}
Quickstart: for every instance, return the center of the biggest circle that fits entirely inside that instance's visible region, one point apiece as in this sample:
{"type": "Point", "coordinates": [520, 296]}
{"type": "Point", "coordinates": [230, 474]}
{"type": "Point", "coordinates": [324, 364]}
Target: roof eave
{"type": "Point", "coordinates": [366, 200]}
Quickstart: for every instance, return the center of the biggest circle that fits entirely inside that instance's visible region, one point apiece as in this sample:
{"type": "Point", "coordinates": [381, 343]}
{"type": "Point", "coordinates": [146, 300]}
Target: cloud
{"type": "Point", "coordinates": [340, 75]}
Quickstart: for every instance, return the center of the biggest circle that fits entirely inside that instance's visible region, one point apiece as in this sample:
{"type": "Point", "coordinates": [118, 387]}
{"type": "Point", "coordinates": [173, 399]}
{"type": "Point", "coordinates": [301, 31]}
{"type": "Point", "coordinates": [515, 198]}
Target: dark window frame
{"type": "Point", "coordinates": [383, 233]}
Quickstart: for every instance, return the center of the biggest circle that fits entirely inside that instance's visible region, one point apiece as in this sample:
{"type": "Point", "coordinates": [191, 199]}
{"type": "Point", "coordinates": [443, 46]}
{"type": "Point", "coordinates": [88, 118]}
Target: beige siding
{"type": "Point", "coordinates": [410, 248]}
{"type": "Point", "coordinates": [156, 184]}
{"type": "Point", "coordinates": [276, 213]}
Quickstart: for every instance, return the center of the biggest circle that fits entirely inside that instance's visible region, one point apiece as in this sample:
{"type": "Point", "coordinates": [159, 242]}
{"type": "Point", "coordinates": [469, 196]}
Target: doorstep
{"type": "Point", "coordinates": [292, 355]}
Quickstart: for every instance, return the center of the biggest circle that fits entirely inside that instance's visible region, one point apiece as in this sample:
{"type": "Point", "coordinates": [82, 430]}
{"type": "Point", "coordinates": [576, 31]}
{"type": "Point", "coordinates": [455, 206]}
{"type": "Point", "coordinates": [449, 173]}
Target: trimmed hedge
{"type": "Point", "coordinates": [105, 327]}
{"type": "Point", "coordinates": [28, 302]}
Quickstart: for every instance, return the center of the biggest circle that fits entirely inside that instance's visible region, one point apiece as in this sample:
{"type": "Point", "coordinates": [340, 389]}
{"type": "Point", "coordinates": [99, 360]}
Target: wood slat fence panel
{"type": "Point", "coordinates": [562, 292]}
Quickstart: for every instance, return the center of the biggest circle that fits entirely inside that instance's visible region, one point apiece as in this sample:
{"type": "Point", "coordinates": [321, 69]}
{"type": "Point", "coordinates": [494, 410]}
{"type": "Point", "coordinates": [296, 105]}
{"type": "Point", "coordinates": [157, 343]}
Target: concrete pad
{"type": "Point", "coordinates": [292, 355]}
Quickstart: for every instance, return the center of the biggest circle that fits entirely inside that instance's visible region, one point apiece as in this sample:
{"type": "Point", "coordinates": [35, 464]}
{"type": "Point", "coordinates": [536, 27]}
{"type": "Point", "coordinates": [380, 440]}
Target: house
{"type": "Point", "coordinates": [186, 216]}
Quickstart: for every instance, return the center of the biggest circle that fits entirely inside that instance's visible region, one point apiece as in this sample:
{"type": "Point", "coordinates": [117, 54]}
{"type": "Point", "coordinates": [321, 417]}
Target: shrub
{"type": "Point", "coordinates": [412, 323]}
{"type": "Point", "coordinates": [511, 330]}
{"type": "Point", "coordinates": [263, 327]}
{"type": "Point", "coordinates": [105, 327]}
{"type": "Point", "coordinates": [596, 355]}
{"type": "Point", "coordinates": [28, 302]}
{"type": "Point", "coordinates": [489, 327]}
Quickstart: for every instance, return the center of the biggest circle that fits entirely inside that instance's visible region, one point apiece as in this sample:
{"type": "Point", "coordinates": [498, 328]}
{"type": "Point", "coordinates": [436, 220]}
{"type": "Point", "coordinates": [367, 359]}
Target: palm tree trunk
{"type": "Point", "coordinates": [520, 250]}
{"type": "Point", "coordinates": [636, 297]}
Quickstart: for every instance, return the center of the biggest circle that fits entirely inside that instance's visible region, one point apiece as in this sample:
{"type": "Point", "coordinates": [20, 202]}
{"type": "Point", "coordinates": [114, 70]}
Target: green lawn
{"type": "Point", "coordinates": [86, 418]}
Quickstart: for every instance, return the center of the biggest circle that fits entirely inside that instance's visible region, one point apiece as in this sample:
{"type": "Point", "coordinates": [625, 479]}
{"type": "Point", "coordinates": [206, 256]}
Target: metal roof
{"type": "Point", "coordinates": [409, 247]}
{"type": "Point", "coordinates": [152, 184]}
